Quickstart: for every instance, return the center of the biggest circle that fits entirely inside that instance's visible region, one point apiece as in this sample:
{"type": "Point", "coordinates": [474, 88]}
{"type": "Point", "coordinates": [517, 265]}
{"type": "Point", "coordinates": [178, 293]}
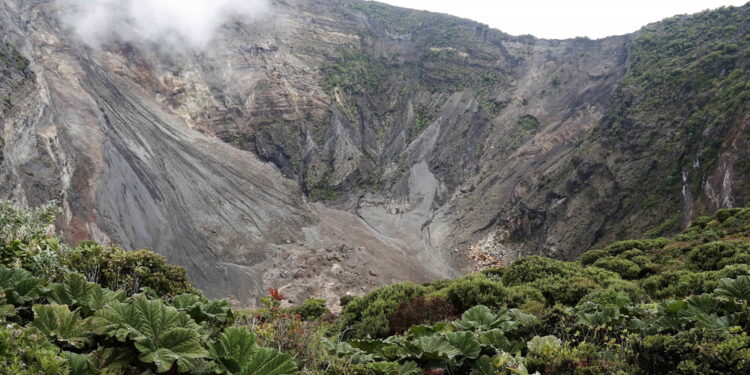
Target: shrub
{"type": "Point", "coordinates": [631, 289]}
{"type": "Point", "coordinates": [679, 283]}
{"type": "Point", "coordinates": [26, 225]}
{"type": "Point", "coordinates": [311, 309]}
{"type": "Point", "coordinates": [344, 300]}
{"type": "Point", "coordinates": [421, 310]}
{"type": "Point", "coordinates": [25, 351]}
{"type": "Point", "coordinates": [591, 256]}
{"type": "Point", "coordinates": [565, 290]}
{"type": "Point", "coordinates": [725, 213]}
{"type": "Point", "coordinates": [716, 255]}
{"type": "Point", "coordinates": [130, 271]}
{"type": "Point", "coordinates": [27, 239]}
{"type": "Point", "coordinates": [644, 245]}
{"type": "Point", "coordinates": [495, 273]}
{"type": "Point", "coordinates": [532, 268]}
{"type": "Point", "coordinates": [467, 292]}
{"type": "Point", "coordinates": [369, 315]}
{"type": "Point", "coordinates": [625, 268]}
{"type": "Point", "coordinates": [520, 295]}
{"type": "Point", "coordinates": [694, 352]}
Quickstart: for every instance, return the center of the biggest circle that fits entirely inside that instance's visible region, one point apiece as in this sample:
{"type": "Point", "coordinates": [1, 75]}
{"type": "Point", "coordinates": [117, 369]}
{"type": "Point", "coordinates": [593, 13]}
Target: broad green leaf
{"type": "Point", "coordinates": [704, 303]}
{"type": "Point", "coordinates": [112, 360]}
{"type": "Point", "coordinates": [179, 346]}
{"type": "Point", "coordinates": [483, 366]}
{"type": "Point", "coordinates": [481, 318]}
{"type": "Point", "coordinates": [738, 289]}
{"type": "Point", "coordinates": [73, 289]}
{"type": "Point", "coordinates": [394, 368]}
{"type": "Point", "coordinates": [61, 324]}
{"type": "Point", "coordinates": [19, 285]}
{"type": "Point", "coordinates": [344, 349]}
{"type": "Point", "coordinates": [78, 364]}
{"type": "Point", "coordinates": [673, 307]}
{"type": "Point", "coordinates": [233, 349]}
{"type": "Point", "coordinates": [87, 297]}
{"type": "Point", "coordinates": [408, 368]}
{"type": "Point", "coordinates": [496, 339]}
{"type": "Point", "coordinates": [10, 276]}
{"type": "Point", "coordinates": [163, 335]}
{"type": "Point", "coordinates": [466, 343]}
{"type": "Point", "coordinates": [431, 348]}
{"type": "Point", "coordinates": [544, 346]}
{"type": "Point", "coordinates": [421, 330]}
{"type": "Point", "coordinates": [7, 311]}
{"type": "Point", "coordinates": [201, 309]}
{"type": "Point", "coordinates": [26, 291]}
{"type": "Point", "coordinates": [477, 317]}
{"type": "Point", "coordinates": [384, 349]}
{"type": "Point", "coordinates": [267, 361]}
{"type": "Point", "coordinates": [384, 368]}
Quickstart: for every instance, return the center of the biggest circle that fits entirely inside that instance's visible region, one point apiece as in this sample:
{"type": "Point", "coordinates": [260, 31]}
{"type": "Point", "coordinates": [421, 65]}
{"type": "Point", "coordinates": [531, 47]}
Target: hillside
{"type": "Point", "coordinates": [339, 145]}
{"type": "Point", "coordinates": [671, 306]}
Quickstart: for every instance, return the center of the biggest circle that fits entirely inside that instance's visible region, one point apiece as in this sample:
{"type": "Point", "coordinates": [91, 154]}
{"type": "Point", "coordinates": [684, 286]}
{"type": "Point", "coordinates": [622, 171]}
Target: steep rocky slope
{"type": "Point", "coordinates": [424, 134]}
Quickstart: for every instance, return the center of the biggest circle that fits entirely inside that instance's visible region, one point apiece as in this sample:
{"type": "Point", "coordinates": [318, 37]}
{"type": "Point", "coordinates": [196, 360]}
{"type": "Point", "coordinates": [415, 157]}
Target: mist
{"type": "Point", "coordinates": [170, 23]}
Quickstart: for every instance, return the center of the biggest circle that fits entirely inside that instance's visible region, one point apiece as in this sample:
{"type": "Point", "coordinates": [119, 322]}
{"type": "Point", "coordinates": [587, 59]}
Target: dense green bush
{"type": "Point", "coordinates": [679, 283]}
{"type": "Point", "coordinates": [130, 271]}
{"type": "Point", "coordinates": [627, 269]}
{"type": "Point", "coordinates": [312, 308]}
{"type": "Point", "coordinates": [565, 290]}
{"type": "Point", "coordinates": [520, 295]}
{"type": "Point", "coordinates": [529, 269]}
{"type": "Point", "coordinates": [369, 315]}
{"type": "Point", "coordinates": [467, 292]}
{"type": "Point", "coordinates": [694, 352]}
{"type": "Point", "coordinates": [716, 255]}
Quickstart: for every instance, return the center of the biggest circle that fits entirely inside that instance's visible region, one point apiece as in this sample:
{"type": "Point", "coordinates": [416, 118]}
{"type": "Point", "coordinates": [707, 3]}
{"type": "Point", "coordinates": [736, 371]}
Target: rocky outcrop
{"type": "Point", "coordinates": [425, 135]}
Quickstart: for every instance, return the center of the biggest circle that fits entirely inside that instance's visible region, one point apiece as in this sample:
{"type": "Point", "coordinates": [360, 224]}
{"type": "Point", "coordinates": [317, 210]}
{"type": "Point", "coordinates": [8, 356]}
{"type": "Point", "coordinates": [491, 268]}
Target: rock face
{"type": "Point", "coordinates": [425, 134]}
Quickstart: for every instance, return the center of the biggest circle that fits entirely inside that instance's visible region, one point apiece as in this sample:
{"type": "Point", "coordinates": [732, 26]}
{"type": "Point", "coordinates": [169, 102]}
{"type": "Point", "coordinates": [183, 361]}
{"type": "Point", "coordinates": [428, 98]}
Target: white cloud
{"type": "Point", "coordinates": [175, 23]}
{"type": "Point", "coordinates": [558, 19]}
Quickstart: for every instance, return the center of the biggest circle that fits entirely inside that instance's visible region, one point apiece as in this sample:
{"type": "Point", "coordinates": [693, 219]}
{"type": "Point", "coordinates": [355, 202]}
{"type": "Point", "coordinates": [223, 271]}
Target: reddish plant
{"type": "Point", "coordinates": [421, 311]}
{"type": "Point", "coordinates": [276, 295]}
{"type": "Point", "coordinates": [434, 371]}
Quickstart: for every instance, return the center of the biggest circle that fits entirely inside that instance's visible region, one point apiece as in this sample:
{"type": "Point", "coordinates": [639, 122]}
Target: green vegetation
{"type": "Point", "coordinates": [425, 117]}
{"type": "Point", "coordinates": [92, 309]}
{"type": "Point", "coordinates": [633, 307]}
{"type": "Point", "coordinates": [322, 193]}
{"type": "Point", "coordinates": [686, 89]}
{"type": "Point", "coordinates": [13, 58]}
{"type": "Point", "coordinates": [353, 71]}
{"type": "Point", "coordinates": [528, 123]}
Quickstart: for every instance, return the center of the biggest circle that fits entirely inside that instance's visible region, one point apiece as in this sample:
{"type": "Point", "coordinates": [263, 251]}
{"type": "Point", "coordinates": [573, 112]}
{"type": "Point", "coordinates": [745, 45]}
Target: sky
{"type": "Point", "coordinates": [559, 19]}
